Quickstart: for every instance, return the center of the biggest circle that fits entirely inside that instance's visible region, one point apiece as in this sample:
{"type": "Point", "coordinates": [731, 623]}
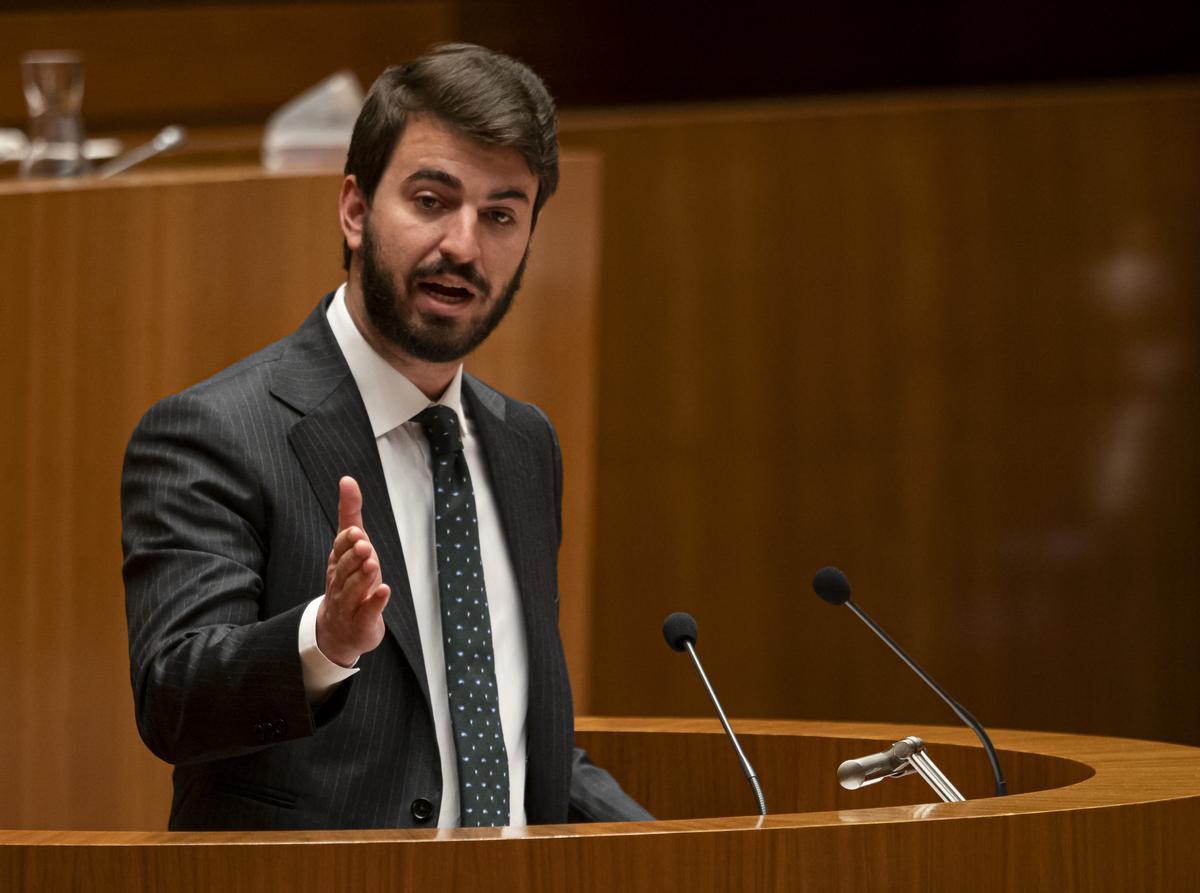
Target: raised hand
{"type": "Point", "coordinates": [350, 619]}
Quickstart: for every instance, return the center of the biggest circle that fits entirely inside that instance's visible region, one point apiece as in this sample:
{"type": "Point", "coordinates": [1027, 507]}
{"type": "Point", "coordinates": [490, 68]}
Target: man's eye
{"type": "Point", "coordinates": [502, 217]}
{"type": "Point", "coordinates": [427, 202]}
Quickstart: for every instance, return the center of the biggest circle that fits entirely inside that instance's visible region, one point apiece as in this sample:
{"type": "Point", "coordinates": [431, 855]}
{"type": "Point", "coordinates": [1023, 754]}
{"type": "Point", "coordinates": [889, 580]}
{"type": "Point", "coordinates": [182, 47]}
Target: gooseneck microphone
{"type": "Point", "coordinates": [680, 632]}
{"type": "Point", "coordinates": [832, 586]}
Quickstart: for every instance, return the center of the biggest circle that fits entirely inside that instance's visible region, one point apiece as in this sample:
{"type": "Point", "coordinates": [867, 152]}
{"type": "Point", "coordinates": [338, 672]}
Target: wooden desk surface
{"type": "Point", "coordinates": [1122, 821]}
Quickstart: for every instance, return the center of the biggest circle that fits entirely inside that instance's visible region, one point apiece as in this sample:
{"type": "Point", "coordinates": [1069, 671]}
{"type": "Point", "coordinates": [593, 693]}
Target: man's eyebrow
{"type": "Point", "coordinates": [504, 194]}
{"type": "Point", "coordinates": [440, 176]}
{"type": "Point", "coordinates": [431, 173]}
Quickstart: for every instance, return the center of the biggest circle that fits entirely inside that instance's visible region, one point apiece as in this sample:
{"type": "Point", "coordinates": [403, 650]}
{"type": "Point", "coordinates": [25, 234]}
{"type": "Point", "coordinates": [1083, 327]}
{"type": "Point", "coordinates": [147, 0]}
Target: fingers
{"type": "Point", "coordinates": [376, 601]}
{"type": "Point", "coordinates": [345, 540]}
{"type": "Point", "coordinates": [342, 543]}
{"type": "Point", "coordinates": [355, 575]}
{"type": "Point", "coordinates": [349, 504]}
{"type": "Point", "coordinates": [350, 523]}
{"type": "Point", "coordinates": [349, 621]}
{"type": "Point", "coordinates": [362, 604]}
{"type": "Point", "coordinates": [347, 631]}
{"type": "Point", "coordinates": [353, 572]}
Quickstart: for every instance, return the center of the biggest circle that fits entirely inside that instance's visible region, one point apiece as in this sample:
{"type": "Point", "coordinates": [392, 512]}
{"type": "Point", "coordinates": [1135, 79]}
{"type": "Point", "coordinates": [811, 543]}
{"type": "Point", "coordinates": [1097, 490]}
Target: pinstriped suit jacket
{"type": "Point", "coordinates": [229, 506]}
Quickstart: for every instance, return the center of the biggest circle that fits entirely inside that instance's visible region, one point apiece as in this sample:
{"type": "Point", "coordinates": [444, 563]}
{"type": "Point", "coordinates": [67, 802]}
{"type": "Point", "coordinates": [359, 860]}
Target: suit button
{"type": "Point", "coordinates": [422, 810]}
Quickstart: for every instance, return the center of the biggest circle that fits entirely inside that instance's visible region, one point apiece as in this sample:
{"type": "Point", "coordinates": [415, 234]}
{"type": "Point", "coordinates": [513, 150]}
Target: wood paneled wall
{"type": "Point", "coordinates": [150, 66]}
{"type": "Point", "coordinates": [115, 295]}
{"type": "Point", "coordinates": [947, 342]}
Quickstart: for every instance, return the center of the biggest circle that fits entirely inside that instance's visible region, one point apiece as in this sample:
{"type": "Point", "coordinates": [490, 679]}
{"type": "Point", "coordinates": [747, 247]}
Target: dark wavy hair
{"type": "Point", "coordinates": [490, 97]}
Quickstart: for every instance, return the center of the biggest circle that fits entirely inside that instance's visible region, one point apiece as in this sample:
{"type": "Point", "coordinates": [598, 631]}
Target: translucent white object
{"type": "Point", "coordinates": [14, 145]}
{"type": "Point", "coordinates": [312, 131]}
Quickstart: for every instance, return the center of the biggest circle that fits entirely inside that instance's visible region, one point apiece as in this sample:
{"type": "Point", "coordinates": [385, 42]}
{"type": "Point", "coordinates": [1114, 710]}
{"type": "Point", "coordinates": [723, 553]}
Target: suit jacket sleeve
{"type": "Point", "coordinates": [211, 678]}
{"type": "Point", "coordinates": [597, 797]}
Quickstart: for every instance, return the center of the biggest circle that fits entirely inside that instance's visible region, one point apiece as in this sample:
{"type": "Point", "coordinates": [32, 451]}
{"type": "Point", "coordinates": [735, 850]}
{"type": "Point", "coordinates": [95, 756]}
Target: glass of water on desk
{"type": "Point", "coordinates": [53, 84]}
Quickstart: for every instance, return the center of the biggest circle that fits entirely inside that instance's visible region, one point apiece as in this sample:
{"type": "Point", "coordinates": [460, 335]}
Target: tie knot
{"type": "Point", "coordinates": [441, 429]}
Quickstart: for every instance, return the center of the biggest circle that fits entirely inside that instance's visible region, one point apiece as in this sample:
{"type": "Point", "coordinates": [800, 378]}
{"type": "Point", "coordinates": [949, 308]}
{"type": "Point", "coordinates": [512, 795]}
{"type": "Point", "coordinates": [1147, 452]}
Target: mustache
{"type": "Point", "coordinates": [445, 267]}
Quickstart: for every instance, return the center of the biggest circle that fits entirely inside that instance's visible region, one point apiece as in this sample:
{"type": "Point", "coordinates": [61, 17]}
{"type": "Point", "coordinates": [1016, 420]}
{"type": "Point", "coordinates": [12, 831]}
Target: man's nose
{"type": "Point", "coordinates": [460, 241]}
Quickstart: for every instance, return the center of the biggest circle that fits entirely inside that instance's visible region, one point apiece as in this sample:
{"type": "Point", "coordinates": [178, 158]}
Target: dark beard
{"type": "Point", "coordinates": [426, 337]}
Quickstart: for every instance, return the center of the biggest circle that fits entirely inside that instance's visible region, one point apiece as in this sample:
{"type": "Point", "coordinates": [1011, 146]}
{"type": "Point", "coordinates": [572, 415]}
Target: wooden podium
{"type": "Point", "coordinates": [1086, 813]}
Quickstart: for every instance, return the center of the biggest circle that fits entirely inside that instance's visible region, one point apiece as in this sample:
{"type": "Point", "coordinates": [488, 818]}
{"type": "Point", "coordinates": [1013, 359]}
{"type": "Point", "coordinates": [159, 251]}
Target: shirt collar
{"type": "Point", "coordinates": [390, 398]}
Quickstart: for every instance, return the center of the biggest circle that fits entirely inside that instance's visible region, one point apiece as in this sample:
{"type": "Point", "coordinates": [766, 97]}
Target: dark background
{"type": "Point", "coordinates": [623, 53]}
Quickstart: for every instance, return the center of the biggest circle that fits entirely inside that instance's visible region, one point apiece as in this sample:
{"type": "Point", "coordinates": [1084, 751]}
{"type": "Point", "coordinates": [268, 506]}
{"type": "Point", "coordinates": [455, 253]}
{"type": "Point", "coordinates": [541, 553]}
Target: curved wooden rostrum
{"type": "Point", "coordinates": [1086, 813]}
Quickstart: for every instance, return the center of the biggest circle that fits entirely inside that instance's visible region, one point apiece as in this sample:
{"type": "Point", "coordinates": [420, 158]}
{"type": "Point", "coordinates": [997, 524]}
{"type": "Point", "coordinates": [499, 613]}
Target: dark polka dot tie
{"type": "Point", "coordinates": [466, 628]}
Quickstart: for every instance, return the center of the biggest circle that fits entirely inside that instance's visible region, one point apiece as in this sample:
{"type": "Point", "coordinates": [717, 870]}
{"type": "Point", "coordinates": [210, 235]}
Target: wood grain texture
{"type": "Point", "coordinates": [214, 64]}
{"type": "Point", "coordinates": [1116, 815]}
{"type": "Point", "coordinates": [118, 294]}
{"type": "Point", "coordinates": [947, 342]}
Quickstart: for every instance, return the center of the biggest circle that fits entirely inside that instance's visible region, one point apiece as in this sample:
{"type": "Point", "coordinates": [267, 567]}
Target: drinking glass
{"type": "Point", "coordinates": [53, 84]}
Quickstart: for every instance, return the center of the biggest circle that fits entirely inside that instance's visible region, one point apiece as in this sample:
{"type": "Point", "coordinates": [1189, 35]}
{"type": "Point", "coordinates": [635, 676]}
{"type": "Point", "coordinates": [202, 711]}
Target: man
{"type": "Point", "coordinates": [412, 674]}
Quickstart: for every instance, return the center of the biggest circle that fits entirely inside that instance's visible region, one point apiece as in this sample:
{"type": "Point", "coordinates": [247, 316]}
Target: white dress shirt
{"type": "Point", "coordinates": [392, 401]}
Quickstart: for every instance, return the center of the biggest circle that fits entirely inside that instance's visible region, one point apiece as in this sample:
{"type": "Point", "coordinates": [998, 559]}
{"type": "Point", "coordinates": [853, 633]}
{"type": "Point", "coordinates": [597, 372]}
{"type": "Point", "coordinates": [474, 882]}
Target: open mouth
{"type": "Point", "coordinates": [448, 293]}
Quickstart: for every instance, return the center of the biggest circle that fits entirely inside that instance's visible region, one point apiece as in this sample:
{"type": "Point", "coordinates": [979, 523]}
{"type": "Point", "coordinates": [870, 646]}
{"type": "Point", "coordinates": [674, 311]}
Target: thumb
{"type": "Point", "coordinates": [349, 504]}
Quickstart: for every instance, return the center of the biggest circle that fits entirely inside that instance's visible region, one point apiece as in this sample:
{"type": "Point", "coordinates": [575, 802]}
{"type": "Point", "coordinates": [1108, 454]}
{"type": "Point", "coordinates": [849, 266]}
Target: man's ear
{"type": "Point", "coordinates": [352, 212]}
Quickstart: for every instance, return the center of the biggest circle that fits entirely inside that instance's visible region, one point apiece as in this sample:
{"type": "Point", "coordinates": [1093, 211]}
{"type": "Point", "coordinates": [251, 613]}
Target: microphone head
{"type": "Point", "coordinates": [679, 628]}
{"type": "Point", "coordinates": [832, 586]}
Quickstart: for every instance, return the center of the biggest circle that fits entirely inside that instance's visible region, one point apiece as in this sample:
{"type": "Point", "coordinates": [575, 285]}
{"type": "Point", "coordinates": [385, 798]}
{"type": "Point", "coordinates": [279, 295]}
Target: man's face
{"type": "Point", "coordinates": [444, 242]}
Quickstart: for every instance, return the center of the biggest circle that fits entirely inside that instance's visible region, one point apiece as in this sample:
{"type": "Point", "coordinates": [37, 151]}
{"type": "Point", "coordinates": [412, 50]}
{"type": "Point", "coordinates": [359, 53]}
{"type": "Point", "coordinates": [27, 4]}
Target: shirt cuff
{"type": "Point", "coordinates": [321, 675]}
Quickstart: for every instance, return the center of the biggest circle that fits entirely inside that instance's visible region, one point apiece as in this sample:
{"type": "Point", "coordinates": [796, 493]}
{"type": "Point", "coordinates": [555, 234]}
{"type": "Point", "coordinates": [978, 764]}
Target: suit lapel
{"type": "Point", "coordinates": [523, 491]}
{"type": "Point", "coordinates": [512, 475]}
{"type": "Point", "coordinates": [334, 438]}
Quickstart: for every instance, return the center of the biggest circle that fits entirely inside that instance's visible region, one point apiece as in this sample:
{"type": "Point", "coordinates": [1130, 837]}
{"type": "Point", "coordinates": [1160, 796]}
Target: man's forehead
{"type": "Point", "coordinates": [430, 148]}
